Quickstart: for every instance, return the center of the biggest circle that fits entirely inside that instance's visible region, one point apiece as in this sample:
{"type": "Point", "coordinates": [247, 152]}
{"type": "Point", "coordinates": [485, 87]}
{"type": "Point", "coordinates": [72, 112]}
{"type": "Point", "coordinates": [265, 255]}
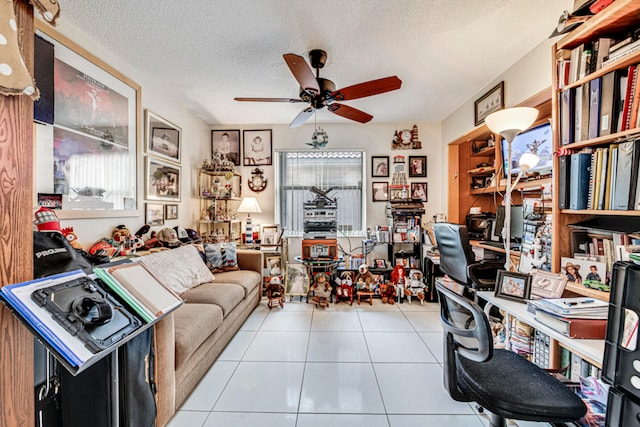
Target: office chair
{"type": "Point", "coordinates": [458, 261]}
{"type": "Point", "coordinates": [507, 385]}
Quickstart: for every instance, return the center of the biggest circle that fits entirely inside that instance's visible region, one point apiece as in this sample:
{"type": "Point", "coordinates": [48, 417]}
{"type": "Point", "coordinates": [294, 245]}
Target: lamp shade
{"type": "Point", "coordinates": [249, 205]}
{"type": "Point", "coordinates": [511, 121]}
{"type": "Point", "coordinates": [528, 161]}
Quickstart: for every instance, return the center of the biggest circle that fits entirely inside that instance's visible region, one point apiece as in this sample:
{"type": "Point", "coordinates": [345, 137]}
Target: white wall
{"type": "Point", "coordinates": [375, 139]}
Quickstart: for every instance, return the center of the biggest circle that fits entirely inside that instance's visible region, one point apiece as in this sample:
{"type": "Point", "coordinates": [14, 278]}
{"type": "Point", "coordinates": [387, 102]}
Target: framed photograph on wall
{"type": "Point", "coordinates": [514, 286]}
{"type": "Point", "coordinates": [380, 166]}
{"type": "Point", "coordinates": [488, 103]}
{"type": "Point", "coordinates": [227, 143]}
{"type": "Point", "coordinates": [154, 214]}
{"type": "Point", "coordinates": [162, 138]}
{"type": "Point", "coordinates": [417, 166]}
{"type": "Point", "coordinates": [257, 147]}
{"type": "Point", "coordinates": [380, 191]}
{"type": "Point", "coordinates": [162, 180]}
{"type": "Point", "coordinates": [419, 191]}
{"type": "Point", "coordinates": [171, 212]}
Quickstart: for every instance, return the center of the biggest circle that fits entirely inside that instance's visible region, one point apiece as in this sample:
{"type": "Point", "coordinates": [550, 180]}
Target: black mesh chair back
{"type": "Point", "coordinates": [455, 251]}
{"type": "Point", "coordinates": [505, 384]}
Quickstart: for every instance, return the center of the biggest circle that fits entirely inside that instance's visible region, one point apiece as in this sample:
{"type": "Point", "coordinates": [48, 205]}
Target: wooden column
{"type": "Point", "coordinates": [16, 260]}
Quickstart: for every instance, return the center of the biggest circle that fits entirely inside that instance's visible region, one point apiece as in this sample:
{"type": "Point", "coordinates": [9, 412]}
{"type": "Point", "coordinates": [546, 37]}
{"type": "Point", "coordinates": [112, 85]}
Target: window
{"type": "Point", "coordinates": [298, 171]}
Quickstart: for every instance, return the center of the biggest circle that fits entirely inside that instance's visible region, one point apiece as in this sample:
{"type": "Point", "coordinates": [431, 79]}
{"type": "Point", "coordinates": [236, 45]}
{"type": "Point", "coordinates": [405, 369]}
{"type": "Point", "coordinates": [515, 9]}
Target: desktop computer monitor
{"type": "Point", "coordinates": [517, 223]}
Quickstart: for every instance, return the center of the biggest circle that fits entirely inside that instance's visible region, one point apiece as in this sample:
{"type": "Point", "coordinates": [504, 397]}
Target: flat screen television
{"type": "Point", "coordinates": [537, 140]}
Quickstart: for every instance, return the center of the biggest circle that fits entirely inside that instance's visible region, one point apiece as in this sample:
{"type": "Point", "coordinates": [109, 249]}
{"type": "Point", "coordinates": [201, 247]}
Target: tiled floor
{"type": "Point", "coordinates": [356, 366]}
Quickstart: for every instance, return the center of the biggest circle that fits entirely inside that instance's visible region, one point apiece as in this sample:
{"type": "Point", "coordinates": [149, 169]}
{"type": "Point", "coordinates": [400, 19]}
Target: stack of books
{"type": "Point", "coordinates": [583, 318]}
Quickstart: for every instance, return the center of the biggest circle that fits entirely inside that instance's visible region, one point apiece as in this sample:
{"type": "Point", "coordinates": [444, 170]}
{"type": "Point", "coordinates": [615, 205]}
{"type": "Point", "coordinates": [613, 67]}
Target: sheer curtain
{"type": "Point", "coordinates": [298, 171]}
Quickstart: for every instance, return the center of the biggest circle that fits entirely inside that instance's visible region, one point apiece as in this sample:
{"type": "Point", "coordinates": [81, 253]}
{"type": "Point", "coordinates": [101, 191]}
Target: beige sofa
{"type": "Point", "coordinates": [190, 339]}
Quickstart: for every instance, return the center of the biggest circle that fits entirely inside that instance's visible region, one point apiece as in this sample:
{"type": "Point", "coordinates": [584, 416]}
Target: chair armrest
{"type": "Point", "coordinates": [483, 274]}
{"type": "Point", "coordinates": [250, 259]}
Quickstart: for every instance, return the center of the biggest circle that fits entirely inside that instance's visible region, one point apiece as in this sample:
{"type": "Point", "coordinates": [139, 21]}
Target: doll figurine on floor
{"type": "Point", "coordinates": [364, 280]}
{"type": "Point", "coordinates": [275, 292]}
{"type": "Point", "coordinates": [415, 286]}
{"type": "Point", "coordinates": [344, 287]}
{"type": "Point", "coordinates": [399, 279]}
{"type": "Point", "coordinates": [321, 290]}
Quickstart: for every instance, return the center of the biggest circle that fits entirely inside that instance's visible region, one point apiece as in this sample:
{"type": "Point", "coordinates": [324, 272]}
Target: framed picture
{"type": "Point", "coordinates": [545, 284]}
{"type": "Point", "coordinates": [584, 271]}
{"type": "Point", "coordinates": [514, 286]}
{"type": "Point", "coordinates": [50, 200]}
{"type": "Point", "coordinates": [162, 180]}
{"type": "Point", "coordinates": [171, 212]}
{"type": "Point", "coordinates": [274, 266]}
{"type": "Point", "coordinates": [96, 112]}
{"type": "Point", "coordinates": [154, 214]}
{"type": "Point", "coordinates": [162, 138]}
{"type": "Point", "coordinates": [417, 166]}
{"type": "Point", "coordinates": [227, 143]}
{"type": "Point", "coordinates": [380, 166]}
{"type": "Point", "coordinates": [488, 103]}
{"type": "Point", "coordinates": [380, 191]}
{"type": "Point", "coordinates": [419, 191]}
{"type": "Point", "coordinates": [296, 280]}
{"type": "Point", "coordinates": [269, 234]}
{"type": "Point", "coordinates": [257, 147]}
{"type": "Point", "coordinates": [380, 263]}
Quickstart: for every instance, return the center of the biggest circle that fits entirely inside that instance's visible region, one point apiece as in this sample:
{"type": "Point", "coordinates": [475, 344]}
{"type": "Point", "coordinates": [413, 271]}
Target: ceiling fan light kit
{"type": "Point", "coordinates": [320, 92]}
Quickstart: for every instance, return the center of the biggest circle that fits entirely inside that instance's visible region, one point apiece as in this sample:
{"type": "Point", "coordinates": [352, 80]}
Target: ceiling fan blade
{"type": "Point", "coordinates": [302, 117]}
{"type": "Point", "coordinates": [349, 112]}
{"type": "Point", "coordinates": [361, 90]}
{"type": "Point", "coordinates": [269, 99]}
{"type": "Point", "coordinates": [302, 72]}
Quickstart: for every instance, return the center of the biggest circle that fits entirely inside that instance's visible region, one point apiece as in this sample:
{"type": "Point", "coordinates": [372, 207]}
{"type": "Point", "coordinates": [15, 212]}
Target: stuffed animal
{"type": "Point", "coordinates": [275, 292]}
{"type": "Point", "coordinates": [364, 279]}
{"type": "Point", "coordinates": [344, 287]}
{"type": "Point", "coordinates": [415, 286]}
{"type": "Point", "coordinates": [388, 293]}
{"type": "Point", "coordinates": [71, 237]}
{"type": "Point", "coordinates": [321, 289]}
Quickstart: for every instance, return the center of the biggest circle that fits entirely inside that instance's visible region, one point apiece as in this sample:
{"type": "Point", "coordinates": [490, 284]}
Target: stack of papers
{"type": "Point", "coordinates": [575, 308]}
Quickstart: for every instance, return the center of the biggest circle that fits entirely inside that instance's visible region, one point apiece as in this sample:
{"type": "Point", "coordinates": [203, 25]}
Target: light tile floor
{"type": "Point", "coordinates": [364, 365]}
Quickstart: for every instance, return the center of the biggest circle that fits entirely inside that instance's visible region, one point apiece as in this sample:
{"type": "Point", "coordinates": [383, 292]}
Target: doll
{"type": "Point", "coordinates": [415, 286]}
{"type": "Point", "coordinates": [344, 287]}
{"type": "Point", "coordinates": [321, 289]}
{"type": "Point", "coordinates": [399, 278]}
{"type": "Point", "coordinates": [275, 292]}
{"type": "Point", "coordinates": [364, 279]}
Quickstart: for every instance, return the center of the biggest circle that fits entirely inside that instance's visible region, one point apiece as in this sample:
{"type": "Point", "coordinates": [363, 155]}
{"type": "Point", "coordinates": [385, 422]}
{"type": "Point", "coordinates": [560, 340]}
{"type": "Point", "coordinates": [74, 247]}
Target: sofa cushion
{"type": "Point", "coordinates": [179, 269]}
{"type": "Point", "coordinates": [225, 295]}
{"type": "Point", "coordinates": [248, 279]}
{"type": "Point", "coordinates": [221, 256]}
{"type": "Point", "coordinates": [194, 323]}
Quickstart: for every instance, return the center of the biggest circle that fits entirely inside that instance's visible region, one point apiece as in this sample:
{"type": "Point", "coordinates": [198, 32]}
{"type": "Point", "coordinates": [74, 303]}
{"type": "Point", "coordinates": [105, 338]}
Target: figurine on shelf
{"type": "Point", "coordinates": [321, 290]}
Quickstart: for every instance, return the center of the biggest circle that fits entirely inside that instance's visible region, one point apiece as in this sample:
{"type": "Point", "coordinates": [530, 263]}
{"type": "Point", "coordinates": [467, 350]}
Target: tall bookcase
{"type": "Point", "coordinates": [464, 169]}
{"type": "Point", "coordinates": [612, 22]}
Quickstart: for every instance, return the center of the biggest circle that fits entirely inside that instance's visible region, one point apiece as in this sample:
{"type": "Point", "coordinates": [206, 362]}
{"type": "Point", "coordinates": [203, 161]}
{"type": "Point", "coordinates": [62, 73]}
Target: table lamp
{"type": "Point", "coordinates": [249, 205]}
{"type": "Point", "coordinates": [509, 122]}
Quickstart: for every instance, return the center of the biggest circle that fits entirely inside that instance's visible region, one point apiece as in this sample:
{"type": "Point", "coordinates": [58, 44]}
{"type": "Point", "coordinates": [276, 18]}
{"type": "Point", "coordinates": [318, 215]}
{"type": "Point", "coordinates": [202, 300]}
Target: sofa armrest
{"type": "Point", "coordinates": [165, 367]}
{"type": "Point", "coordinates": [250, 259]}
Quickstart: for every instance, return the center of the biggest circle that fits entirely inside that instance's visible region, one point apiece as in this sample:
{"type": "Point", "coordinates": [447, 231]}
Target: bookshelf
{"type": "Point", "coordinates": [612, 22]}
{"type": "Point", "coordinates": [463, 169]}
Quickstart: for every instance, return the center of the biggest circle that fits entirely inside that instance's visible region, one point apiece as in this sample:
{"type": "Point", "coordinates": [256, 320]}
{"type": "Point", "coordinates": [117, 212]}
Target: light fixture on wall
{"type": "Point", "coordinates": [509, 123]}
{"type": "Point", "coordinates": [249, 205]}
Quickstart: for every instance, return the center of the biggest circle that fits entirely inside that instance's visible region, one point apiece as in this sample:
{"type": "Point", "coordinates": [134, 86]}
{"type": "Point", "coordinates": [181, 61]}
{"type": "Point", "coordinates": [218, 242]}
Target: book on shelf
{"type": "Point", "coordinates": [607, 97]}
{"type": "Point", "coordinates": [595, 87]}
{"type": "Point", "coordinates": [579, 182]}
{"type": "Point", "coordinates": [572, 327]}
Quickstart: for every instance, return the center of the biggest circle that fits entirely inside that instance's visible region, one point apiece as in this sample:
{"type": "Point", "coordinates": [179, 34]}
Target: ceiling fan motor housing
{"type": "Point", "coordinates": [318, 58]}
{"type": "Point", "coordinates": [318, 100]}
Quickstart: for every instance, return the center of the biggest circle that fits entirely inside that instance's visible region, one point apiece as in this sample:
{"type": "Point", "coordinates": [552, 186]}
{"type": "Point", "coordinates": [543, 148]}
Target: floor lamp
{"type": "Point", "coordinates": [509, 123]}
{"type": "Point", "coordinates": [249, 205]}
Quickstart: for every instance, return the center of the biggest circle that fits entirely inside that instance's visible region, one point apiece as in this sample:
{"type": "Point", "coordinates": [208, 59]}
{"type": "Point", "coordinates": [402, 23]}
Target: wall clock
{"type": "Point", "coordinates": [257, 182]}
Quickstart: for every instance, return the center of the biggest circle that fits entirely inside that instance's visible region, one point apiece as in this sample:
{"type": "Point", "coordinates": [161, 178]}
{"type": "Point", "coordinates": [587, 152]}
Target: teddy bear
{"type": "Point", "coordinates": [415, 286]}
{"type": "Point", "coordinates": [344, 287]}
{"type": "Point", "coordinates": [321, 290]}
{"type": "Point", "coordinates": [364, 279]}
{"type": "Point", "coordinates": [388, 293]}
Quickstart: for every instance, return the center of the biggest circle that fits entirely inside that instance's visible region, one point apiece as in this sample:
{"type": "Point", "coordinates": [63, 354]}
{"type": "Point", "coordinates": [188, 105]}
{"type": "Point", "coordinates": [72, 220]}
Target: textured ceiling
{"type": "Point", "coordinates": [206, 52]}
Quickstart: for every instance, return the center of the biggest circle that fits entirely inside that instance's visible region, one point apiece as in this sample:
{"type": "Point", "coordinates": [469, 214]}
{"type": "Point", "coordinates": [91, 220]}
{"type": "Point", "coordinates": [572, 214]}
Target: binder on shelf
{"type": "Point", "coordinates": [607, 99]}
{"type": "Point", "coordinates": [603, 178]}
{"type": "Point", "coordinates": [614, 173]}
{"type": "Point", "coordinates": [619, 94]}
{"type": "Point", "coordinates": [578, 122]}
{"type": "Point", "coordinates": [626, 153]}
{"type": "Point", "coordinates": [592, 180]}
{"type": "Point", "coordinates": [594, 107]}
{"type": "Point", "coordinates": [632, 79]}
{"type": "Point", "coordinates": [585, 114]}
{"type": "Point", "coordinates": [564, 163]}
{"type": "Point", "coordinates": [567, 116]}
{"type": "Point", "coordinates": [610, 176]}
{"type": "Point", "coordinates": [579, 184]}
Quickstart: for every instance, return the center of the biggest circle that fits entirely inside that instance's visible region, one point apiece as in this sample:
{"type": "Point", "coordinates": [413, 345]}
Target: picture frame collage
{"type": "Point", "coordinates": [380, 166]}
{"type": "Point", "coordinates": [255, 147]}
{"type": "Point", "coordinates": [162, 169]}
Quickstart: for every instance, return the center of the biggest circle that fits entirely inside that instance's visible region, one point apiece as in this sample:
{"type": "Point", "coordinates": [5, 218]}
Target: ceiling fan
{"type": "Point", "coordinates": [319, 92]}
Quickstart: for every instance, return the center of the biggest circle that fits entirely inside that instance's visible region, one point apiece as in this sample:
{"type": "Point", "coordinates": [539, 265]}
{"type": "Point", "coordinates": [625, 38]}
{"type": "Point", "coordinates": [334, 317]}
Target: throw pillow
{"type": "Point", "coordinates": [179, 269]}
{"type": "Point", "coordinates": [221, 256]}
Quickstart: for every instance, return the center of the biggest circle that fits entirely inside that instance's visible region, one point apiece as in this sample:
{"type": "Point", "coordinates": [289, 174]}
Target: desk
{"type": "Point", "coordinates": [590, 350]}
{"type": "Point", "coordinates": [515, 255]}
